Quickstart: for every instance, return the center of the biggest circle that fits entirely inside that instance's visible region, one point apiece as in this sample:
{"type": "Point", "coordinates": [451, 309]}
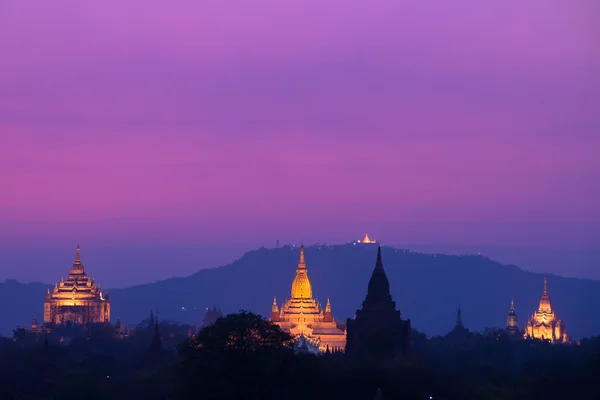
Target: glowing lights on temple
{"type": "Point", "coordinates": [77, 299]}
{"type": "Point", "coordinates": [367, 240]}
{"type": "Point", "coordinates": [544, 323]}
{"type": "Point", "coordinates": [304, 318]}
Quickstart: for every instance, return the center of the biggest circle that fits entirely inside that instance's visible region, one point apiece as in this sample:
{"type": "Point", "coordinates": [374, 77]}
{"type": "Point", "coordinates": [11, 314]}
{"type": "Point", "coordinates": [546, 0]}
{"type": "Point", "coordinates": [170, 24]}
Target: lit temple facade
{"type": "Point", "coordinates": [303, 317]}
{"type": "Point", "coordinates": [77, 299]}
{"type": "Point", "coordinates": [544, 324]}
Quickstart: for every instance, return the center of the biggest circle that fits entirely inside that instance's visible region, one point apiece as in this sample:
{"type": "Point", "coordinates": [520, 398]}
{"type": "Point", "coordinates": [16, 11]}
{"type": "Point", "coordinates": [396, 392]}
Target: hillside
{"type": "Point", "coordinates": [427, 289]}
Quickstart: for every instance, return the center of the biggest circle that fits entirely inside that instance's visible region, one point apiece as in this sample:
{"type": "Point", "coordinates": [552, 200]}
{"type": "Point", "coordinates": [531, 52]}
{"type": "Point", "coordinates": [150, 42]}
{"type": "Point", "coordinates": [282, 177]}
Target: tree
{"type": "Point", "coordinates": [239, 356]}
{"type": "Point", "coordinates": [245, 332]}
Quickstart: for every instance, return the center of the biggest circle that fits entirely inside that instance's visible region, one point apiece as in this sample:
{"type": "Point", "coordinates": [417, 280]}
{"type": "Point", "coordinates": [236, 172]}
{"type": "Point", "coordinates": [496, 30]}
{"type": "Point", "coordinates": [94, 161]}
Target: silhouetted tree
{"type": "Point", "coordinates": [236, 357]}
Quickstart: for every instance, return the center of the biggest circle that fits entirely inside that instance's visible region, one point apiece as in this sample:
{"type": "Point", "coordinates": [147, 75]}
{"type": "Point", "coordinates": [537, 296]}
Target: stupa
{"type": "Point", "coordinates": [367, 240]}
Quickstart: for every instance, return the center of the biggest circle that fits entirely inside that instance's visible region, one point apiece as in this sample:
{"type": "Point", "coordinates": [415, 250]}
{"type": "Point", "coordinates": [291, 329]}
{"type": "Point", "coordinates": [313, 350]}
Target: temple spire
{"type": "Point", "coordinates": [274, 308]}
{"type": "Point", "coordinates": [328, 316]}
{"type": "Point", "coordinates": [378, 291]}
{"type": "Point", "coordinates": [156, 344]}
{"type": "Point", "coordinates": [459, 323]}
{"type": "Point", "coordinates": [77, 267]}
{"type": "Point", "coordinates": [512, 326]}
{"type": "Point", "coordinates": [545, 304]}
{"type": "Point", "coordinates": [302, 263]}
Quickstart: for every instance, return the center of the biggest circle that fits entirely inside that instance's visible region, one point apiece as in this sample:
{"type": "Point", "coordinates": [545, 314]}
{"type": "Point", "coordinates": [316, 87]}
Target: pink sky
{"type": "Point", "coordinates": [438, 121]}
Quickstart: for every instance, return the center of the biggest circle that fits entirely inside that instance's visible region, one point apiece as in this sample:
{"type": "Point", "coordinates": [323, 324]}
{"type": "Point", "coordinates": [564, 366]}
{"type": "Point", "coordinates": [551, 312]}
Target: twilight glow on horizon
{"type": "Point", "coordinates": [431, 122]}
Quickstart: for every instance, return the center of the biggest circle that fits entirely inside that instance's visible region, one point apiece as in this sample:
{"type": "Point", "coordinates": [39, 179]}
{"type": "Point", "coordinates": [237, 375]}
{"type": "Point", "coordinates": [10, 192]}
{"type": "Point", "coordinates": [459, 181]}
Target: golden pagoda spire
{"type": "Point", "coordinates": [302, 263]}
{"type": "Point", "coordinates": [545, 304]}
{"type": "Point", "coordinates": [328, 306]}
{"type": "Point", "coordinates": [301, 287]}
{"type": "Point", "coordinates": [274, 308]}
{"type": "Point", "coordinates": [78, 255]}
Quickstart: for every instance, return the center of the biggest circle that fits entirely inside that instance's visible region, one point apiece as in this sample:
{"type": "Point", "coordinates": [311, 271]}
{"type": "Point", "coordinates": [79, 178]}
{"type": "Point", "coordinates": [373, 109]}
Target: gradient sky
{"type": "Point", "coordinates": [421, 122]}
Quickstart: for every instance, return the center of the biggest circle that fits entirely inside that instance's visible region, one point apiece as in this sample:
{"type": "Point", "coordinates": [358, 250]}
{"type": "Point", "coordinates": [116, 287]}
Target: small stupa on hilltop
{"type": "Point", "coordinates": [367, 240]}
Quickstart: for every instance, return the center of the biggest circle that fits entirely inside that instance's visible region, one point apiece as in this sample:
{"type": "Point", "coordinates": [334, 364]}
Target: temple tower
{"type": "Point", "coordinates": [377, 332]}
{"type": "Point", "coordinates": [211, 316]}
{"type": "Point", "coordinates": [274, 311]}
{"type": "Point", "coordinates": [303, 316]}
{"type": "Point", "coordinates": [459, 323]}
{"type": "Point", "coordinates": [512, 326]}
{"type": "Point", "coordinates": [77, 299]}
{"type": "Point", "coordinates": [544, 324]}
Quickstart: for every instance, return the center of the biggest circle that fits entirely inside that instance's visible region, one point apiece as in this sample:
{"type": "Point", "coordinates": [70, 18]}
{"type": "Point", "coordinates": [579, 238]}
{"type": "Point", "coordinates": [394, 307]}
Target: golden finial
{"type": "Point", "coordinates": [78, 254]}
{"type": "Point", "coordinates": [328, 306]}
{"type": "Point", "coordinates": [274, 308]}
{"type": "Point", "coordinates": [545, 286]}
{"type": "Point", "coordinates": [302, 263]}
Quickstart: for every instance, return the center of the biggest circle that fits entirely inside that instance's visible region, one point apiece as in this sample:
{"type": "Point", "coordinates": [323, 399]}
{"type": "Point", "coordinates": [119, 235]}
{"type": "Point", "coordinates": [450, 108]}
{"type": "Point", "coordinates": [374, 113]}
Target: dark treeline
{"type": "Point", "coordinates": [242, 356]}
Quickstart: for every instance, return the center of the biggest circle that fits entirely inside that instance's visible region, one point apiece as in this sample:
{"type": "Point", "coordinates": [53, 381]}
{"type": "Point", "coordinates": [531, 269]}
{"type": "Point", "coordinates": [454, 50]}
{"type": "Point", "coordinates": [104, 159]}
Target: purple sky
{"type": "Point", "coordinates": [419, 122]}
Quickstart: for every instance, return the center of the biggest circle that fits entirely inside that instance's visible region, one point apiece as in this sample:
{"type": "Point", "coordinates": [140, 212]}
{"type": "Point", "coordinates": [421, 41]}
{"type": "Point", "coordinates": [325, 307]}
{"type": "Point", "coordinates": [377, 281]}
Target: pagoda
{"type": "Point", "coordinates": [377, 332]}
{"type": "Point", "coordinates": [544, 324]}
{"type": "Point", "coordinates": [367, 240]}
{"type": "Point", "coordinates": [303, 317]}
{"type": "Point", "coordinates": [512, 326]}
{"type": "Point", "coordinates": [211, 316]}
{"type": "Point", "coordinates": [76, 300]}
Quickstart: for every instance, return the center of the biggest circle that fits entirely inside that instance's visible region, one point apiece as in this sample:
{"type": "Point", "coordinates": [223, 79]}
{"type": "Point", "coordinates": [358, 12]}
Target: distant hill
{"type": "Point", "coordinates": [427, 289]}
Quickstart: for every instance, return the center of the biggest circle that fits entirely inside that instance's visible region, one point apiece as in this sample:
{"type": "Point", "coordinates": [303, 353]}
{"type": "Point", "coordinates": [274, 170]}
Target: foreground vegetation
{"type": "Point", "coordinates": [242, 356]}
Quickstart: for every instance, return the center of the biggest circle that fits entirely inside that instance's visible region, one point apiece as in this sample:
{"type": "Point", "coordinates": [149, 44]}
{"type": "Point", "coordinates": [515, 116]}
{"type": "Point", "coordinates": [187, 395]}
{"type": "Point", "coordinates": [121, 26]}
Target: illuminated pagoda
{"type": "Point", "coordinates": [367, 240]}
{"type": "Point", "coordinates": [512, 326]}
{"type": "Point", "coordinates": [304, 318]}
{"type": "Point", "coordinates": [77, 299]}
{"type": "Point", "coordinates": [544, 324]}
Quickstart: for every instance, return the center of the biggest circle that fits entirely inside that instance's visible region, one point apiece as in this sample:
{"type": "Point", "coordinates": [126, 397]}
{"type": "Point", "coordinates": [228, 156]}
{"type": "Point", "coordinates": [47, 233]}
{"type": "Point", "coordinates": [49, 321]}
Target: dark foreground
{"type": "Point", "coordinates": [244, 357]}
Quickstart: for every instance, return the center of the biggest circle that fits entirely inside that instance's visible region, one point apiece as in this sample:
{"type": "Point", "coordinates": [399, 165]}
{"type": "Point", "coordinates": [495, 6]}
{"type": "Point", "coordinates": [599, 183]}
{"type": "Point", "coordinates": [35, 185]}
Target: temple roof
{"type": "Point", "coordinates": [511, 320]}
{"type": "Point", "coordinates": [301, 287]}
{"type": "Point", "coordinates": [77, 267]}
{"type": "Point", "coordinates": [459, 323]}
{"type": "Point", "coordinates": [78, 284]}
{"type": "Point", "coordinates": [511, 311]}
{"type": "Point", "coordinates": [545, 305]}
{"type": "Point", "coordinates": [378, 291]}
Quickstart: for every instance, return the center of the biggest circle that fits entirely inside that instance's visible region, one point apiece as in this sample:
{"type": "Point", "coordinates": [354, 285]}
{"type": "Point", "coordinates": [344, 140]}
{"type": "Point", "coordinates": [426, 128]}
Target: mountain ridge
{"type": "Point", "coordinates": [427, 289]}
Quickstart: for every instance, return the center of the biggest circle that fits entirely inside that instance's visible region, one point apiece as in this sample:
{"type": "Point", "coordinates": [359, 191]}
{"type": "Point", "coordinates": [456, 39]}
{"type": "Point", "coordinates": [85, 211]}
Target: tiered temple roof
{"type": "Point", "coordinates": [304, 317]}
{"type": "Point", "coordinates": [78, 299]}
{"type": "Point", "coordinates": [544, 324]}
